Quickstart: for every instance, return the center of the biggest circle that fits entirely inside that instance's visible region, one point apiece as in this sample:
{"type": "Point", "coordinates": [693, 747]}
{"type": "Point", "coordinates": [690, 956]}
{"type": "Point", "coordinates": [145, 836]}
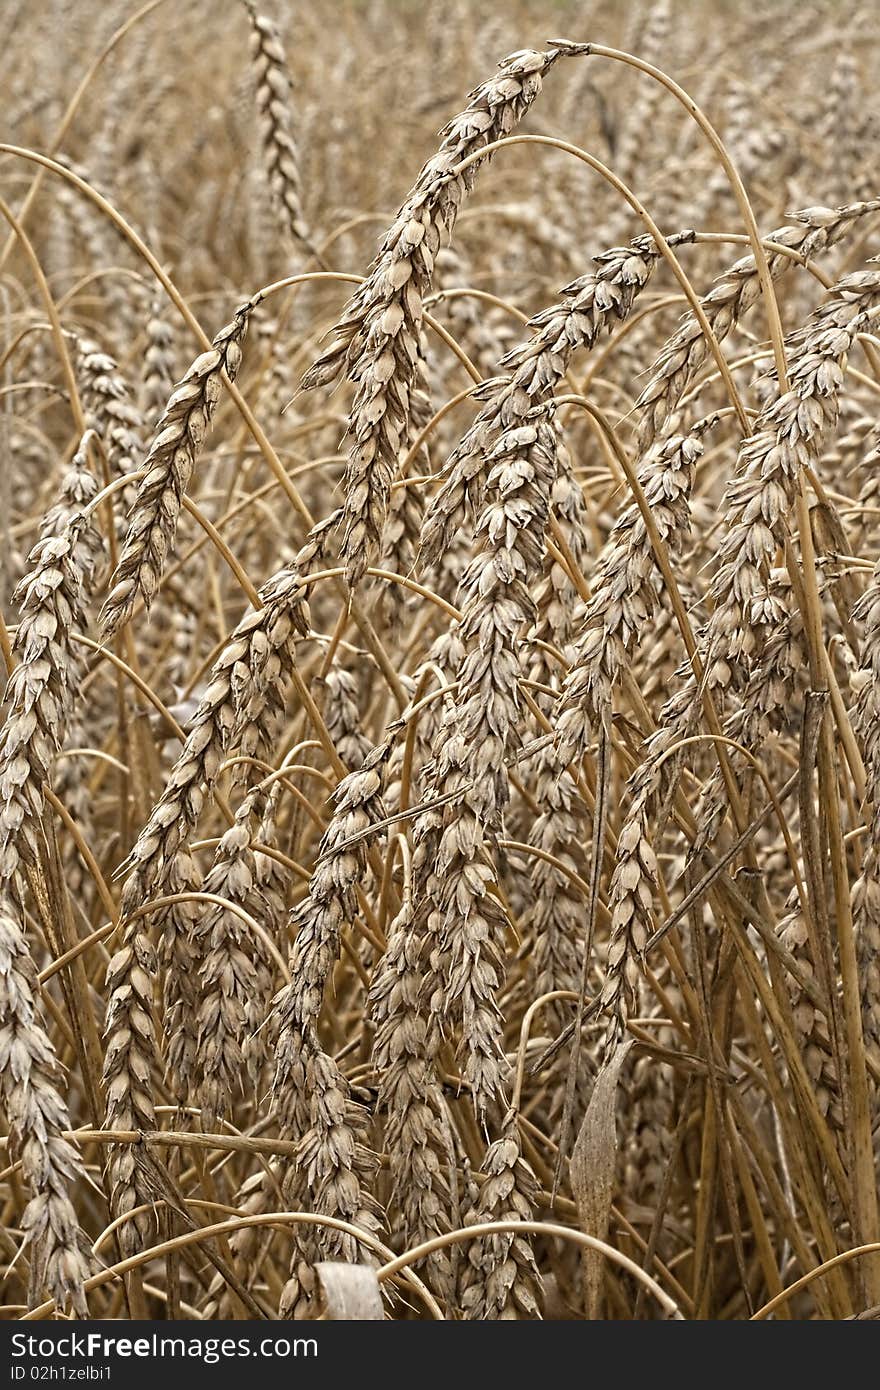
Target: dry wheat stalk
{"type": "Point", "coordinates": [30, 1080]}
{"type": "Point", "coordinates": [625, 593]}
{"type": "Point", "coordinates": [274, 103]}
{"type": "Point", "coordinates": [810, 1024]}
{"type": "Point", "coordinates": [631, 896]}
{"type": "Point", "coordinates": [786, 438]}
{"type": "Point", "coordinates": [109, 408]}
{"type": "Point", "coordinates": [240, 704]}
{"type": "Point", "coordinates": [651, 1101]}
{"type": "Point", "coordinates": [175, 930]}
{"type": "Point", "coordinates": [342, 716]}
{"type": "Point", "coordinates": [785, 441]}
{"type": "Point", "coordinates": [96, 244]}
{"type": "Point", "coordinates": [729, 299]}
{"type": "Point", "coordinates": [378, 336]}
{"type": "Point", "coordinates": [41, 688]}
{"type": "Point", "coordinates": [765, 703]}
{"type": "Point", "coordinates": [268, 902]}
{"type": "Point", "coordinates": [415, 1124]}
{"type": "Point", "coordinates": [130, 1058]}
{"type": "Point", "coordinates": [318, 921]}
{"type": "Point", "coordinates": [453, 871]}
{"type": "Point", "coordinates": [311, 1097]}
{"type": "Point", "coordinates": [159, 371]}
{"type": "Point", "coordinates": [497, 871]}
{"type": "Point", "coordinates": [589, 307]}
{"type": "Point", "coordinates": [336, 1168]}
{"type": "Point", "coordinates": [634, 879]}
{"type": "Point", "coordinates": [228, 957]}
{"type": "Point", "coordinates": [400, 534]}
{"type": "Point", "coordinates": [866, 890]}
{"type": "Point", "coordinates": [168, 467]}
{"type": "Point", "coordinates": [556, 595]}
{"type": "Point", "coordinates": [752, 145]}
{"type": "Point", "coordinates": [556, 914]}
{"type": "Point", "coordinates": [500, 1278]}
{"type": "Point", "coordinates": [241, 696]}
{"type": "Point", "coordinates": [436, 672]}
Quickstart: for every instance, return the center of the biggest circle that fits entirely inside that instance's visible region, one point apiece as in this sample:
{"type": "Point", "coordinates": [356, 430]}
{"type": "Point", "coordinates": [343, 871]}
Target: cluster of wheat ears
{"type": "Point", "coordinates": [440, 758]}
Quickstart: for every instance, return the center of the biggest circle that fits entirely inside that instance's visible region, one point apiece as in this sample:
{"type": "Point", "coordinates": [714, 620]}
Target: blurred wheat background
{"type": "Point", "coordinates": [440, 759]}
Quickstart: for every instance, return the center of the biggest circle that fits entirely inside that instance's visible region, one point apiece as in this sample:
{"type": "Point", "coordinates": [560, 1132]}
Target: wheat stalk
{"type": "Point", "coordinates": [168, 467]}
{"type": "Point", "coordinates": [30, 1079]}
{"type": "Point", "coordinates": [378, 337]}
{"type": "Point", "coordinates": [274, 93]}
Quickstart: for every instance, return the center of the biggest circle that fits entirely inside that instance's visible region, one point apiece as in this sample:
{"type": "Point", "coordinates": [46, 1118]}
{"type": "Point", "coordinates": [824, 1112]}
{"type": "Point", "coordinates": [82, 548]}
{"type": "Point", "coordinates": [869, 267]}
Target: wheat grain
{"type": "Point", "coordinates": [343, 910]}
{"type": "Point", "coordinates": [589, 307]}
{"type": "Point", "coordinates": [279, 144]}
{"type": "Point", "coordinates": [30, 1077]}
{"type": "Point", "coordinates": [378, 336]}
{"type": "Point", "coordinates": [168, 467]}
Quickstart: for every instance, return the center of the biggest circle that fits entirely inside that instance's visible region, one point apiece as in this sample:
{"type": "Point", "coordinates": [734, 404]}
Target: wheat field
{"type": "Point", "coordinates": [440, 590]}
